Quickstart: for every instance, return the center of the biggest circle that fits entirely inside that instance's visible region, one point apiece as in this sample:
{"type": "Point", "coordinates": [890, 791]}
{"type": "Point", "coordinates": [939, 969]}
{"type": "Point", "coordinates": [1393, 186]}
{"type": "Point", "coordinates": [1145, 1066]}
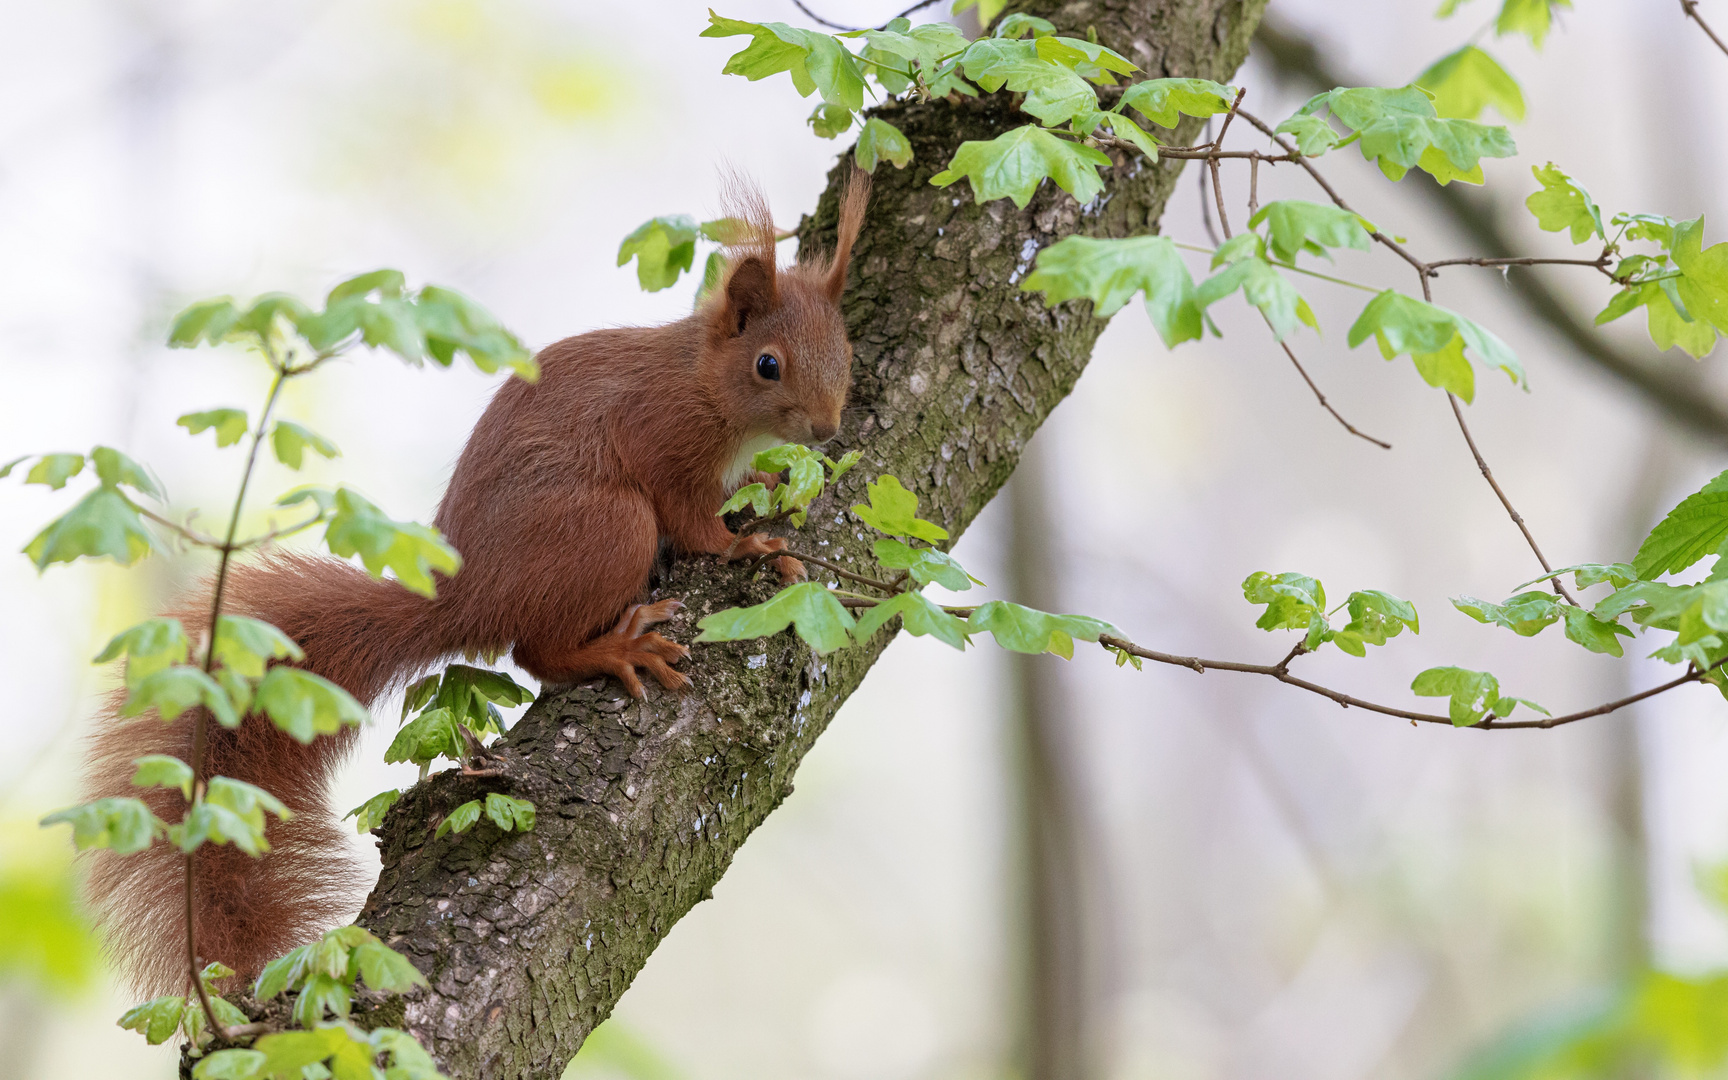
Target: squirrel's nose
{"type": "Point", "coordinates": [823, 430]}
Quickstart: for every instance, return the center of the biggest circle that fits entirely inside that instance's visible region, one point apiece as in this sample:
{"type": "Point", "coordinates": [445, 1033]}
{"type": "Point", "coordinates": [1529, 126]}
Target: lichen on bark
{"type": "Point", "coordinates": [529, 939]}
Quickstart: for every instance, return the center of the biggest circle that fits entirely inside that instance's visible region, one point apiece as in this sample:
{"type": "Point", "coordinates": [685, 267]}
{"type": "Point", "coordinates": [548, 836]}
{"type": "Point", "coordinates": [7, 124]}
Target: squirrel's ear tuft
{"type": "Point", "coordinates": [750, 289]}
{"type": "Point", "coordinates": [747, 295]}
{"type": "Point", "coordinates": [852, 203]}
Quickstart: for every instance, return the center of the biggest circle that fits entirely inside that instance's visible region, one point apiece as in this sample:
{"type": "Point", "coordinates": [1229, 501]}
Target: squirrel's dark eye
{"type": "Point", "coordinates": [768, 367]}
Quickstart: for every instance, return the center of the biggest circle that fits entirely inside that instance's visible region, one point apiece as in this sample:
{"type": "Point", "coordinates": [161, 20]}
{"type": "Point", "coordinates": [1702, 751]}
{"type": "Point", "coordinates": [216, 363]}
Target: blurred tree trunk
{"type": "Point", "coordinates": [530, 939]}
{"type": "Point", "coordinates": [1056, 862]}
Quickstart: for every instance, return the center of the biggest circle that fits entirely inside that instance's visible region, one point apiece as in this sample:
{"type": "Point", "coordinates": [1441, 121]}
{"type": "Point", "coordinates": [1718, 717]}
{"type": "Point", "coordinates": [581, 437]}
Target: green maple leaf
{"type": "Point", "coordinates": [1161, 100]}
{"type": "Point", "coordinates": [1694, 529]}
{"type": "Point", "coordinates": [663, 248]}
{"type": "Point", "coordinates": [1563, 205]}
{"type": "Point", "coordinates": [1467, 81]}
{"type": "Point", "coordinates": [819, 618]}
{"type": "Point", "coordinates": [816, 62]}
{"type": "Point", "coordinates": [1012, 165]}
{"type": "Point", "coordinates": [1110, 272]}
{"type": "Point", "coordinates": [1399, 129]}
{"type": "Point", "coordinates": [881, 141]}
{"type": "Point", "coordinates": [1295, 225]}
{"type": "Point", "coordinates": [1245, 267]}
{"type": "Point", "coordinates": [1435, 339]}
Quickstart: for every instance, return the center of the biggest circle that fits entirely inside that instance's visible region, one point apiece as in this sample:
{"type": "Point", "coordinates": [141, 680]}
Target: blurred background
{"type": "Point", "coordinates": [1042, 869]}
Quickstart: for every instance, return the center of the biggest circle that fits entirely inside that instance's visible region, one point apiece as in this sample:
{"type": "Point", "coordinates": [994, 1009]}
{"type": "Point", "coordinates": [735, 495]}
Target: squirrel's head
{"type": "Point", "coordinates": [778, 359]}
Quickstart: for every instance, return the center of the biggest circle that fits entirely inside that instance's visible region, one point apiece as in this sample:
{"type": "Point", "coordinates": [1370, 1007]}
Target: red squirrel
{"type": "Point", "coordinates": [557, 505]}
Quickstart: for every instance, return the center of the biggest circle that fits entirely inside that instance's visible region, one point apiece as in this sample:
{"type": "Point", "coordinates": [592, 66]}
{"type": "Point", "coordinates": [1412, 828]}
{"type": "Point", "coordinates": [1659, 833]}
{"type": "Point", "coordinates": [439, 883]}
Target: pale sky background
{"type": "Point", "coordinates": [1296, 892]}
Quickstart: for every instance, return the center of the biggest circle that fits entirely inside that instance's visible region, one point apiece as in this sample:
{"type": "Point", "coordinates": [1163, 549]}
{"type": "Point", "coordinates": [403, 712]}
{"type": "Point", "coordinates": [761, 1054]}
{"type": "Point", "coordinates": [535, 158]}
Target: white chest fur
{"type": "Point", "coordinates": [742, 462]}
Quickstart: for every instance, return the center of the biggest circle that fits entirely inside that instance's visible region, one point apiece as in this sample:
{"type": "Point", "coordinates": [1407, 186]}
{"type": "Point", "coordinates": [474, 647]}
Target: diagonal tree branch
{"type": "Point", "coordinates": [530, 939]}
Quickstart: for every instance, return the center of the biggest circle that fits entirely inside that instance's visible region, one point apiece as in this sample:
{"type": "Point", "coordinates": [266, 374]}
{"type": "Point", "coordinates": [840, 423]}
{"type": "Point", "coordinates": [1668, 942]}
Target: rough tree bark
{"type": "Point", "coordinates": [530, 939]}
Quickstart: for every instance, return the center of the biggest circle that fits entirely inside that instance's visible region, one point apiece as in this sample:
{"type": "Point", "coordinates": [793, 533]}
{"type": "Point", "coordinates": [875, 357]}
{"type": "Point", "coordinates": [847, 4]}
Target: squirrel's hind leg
{"type": "Point", "coordinates": [629, 646]}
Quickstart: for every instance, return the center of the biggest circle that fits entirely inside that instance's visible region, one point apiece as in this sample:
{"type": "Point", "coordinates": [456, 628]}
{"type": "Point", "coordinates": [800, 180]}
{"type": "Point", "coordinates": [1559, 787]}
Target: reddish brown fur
{"type": "Point", "coordinates": [558, 504]}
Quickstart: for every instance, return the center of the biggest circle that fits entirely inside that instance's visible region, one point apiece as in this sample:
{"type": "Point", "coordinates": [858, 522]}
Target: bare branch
{"type": "Point", "coordinates": [1517, 518]}
{"type": "Point", "coordinates": [1280, 671]}
{"type": "Point", "coordinates": [1324, 404]}
{"type": "Point", "coordinates": [1690, 7]}
{"type": "Point", "coordinates": [820, 21]}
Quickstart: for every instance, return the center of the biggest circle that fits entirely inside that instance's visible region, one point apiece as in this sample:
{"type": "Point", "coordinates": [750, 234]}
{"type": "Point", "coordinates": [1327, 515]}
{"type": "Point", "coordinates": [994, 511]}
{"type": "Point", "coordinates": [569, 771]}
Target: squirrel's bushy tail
{"type": "Point", "coordinates": [364, 635]}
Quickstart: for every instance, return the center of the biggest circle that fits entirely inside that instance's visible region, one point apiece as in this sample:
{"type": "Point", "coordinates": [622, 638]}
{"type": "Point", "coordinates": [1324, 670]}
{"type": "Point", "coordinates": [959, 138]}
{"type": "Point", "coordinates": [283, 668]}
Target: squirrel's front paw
{"type": "Point", "coordinates": [791, 569]}
{"type": "Point", "coordinates": [756, 545]}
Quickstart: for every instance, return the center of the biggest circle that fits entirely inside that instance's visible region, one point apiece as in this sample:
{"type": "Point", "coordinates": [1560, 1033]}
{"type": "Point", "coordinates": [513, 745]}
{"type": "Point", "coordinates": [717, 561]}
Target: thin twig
{"type": "Point", "coordinates": [1280, 672]}
{"type": "Point", "coordinates": [1198, 153]}
{"type": "Point", "coordinates": [1517, 518]}
{"type": "Point", "coordinates": [1253, 188]}
{"type": "Point", "coordinates": [196, 537]}
{"type": "Point", "coordinates": [201, 717]}
{"type": "Point", "coordinates": [1205, 203]}
{"type": "Point", "coordinates": [1218, 143]}
{"type": "Point", "coordinates": [1691, 9]}
{"type": "Point", "coordinates": [820, 21]}
{"type": "Point", "coordinates": [1600, 263]}
{"type": "Point", "coordinates": [1324, 404]}
{"type": "Point", "coordinates": [1212, 163]}
{"type": "Point", "coordinates": [890, 589]}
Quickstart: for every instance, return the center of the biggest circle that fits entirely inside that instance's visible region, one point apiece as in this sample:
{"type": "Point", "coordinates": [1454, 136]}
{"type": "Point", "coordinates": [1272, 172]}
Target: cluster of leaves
{"type": "Point", "coordinates": [447, 715]}
{"type": "Point", "coordinates": [374, 308]}
{"type": "Point", "coordinates": [1682, 285]}
{"type": "Point", "coordinates": [106, 523]}
{"type": "Point", "coordinates": [1475, 695]}
{"type": "Point", "coordinates": [907, 561]}
{"type": "Point", "coordinates": [324, 976]}
{"type": "Point", "coordinates": [161, 1019]}
{"type": "Point", "coordinates": [899, 57]}
{"type": "Point", "coordinates": [791, 498]}
{"type": "Point", "coordinates": [1298, 602]}
{"type": "Point", "coordinates": [1530, 18]}
{"type": "Point", "coordinates": [1056, 77]}
{"type": "Point", "coordinates": [1697, 614]}
{"type": "Point", "coordinates": [505, 811]}
{"type": "Point", "coordinates": [241, 679]}
{"type": "Point", "coordinates": [665, 247]}
{"type": "Point", "coordinates": [1398, 129]}
{"type": "Point", "coordinates": [1109, 272]}
{"type": "Point", "coordinates": [338, 1050]}
{"type": "Point", "coordinates": [459, 697]}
